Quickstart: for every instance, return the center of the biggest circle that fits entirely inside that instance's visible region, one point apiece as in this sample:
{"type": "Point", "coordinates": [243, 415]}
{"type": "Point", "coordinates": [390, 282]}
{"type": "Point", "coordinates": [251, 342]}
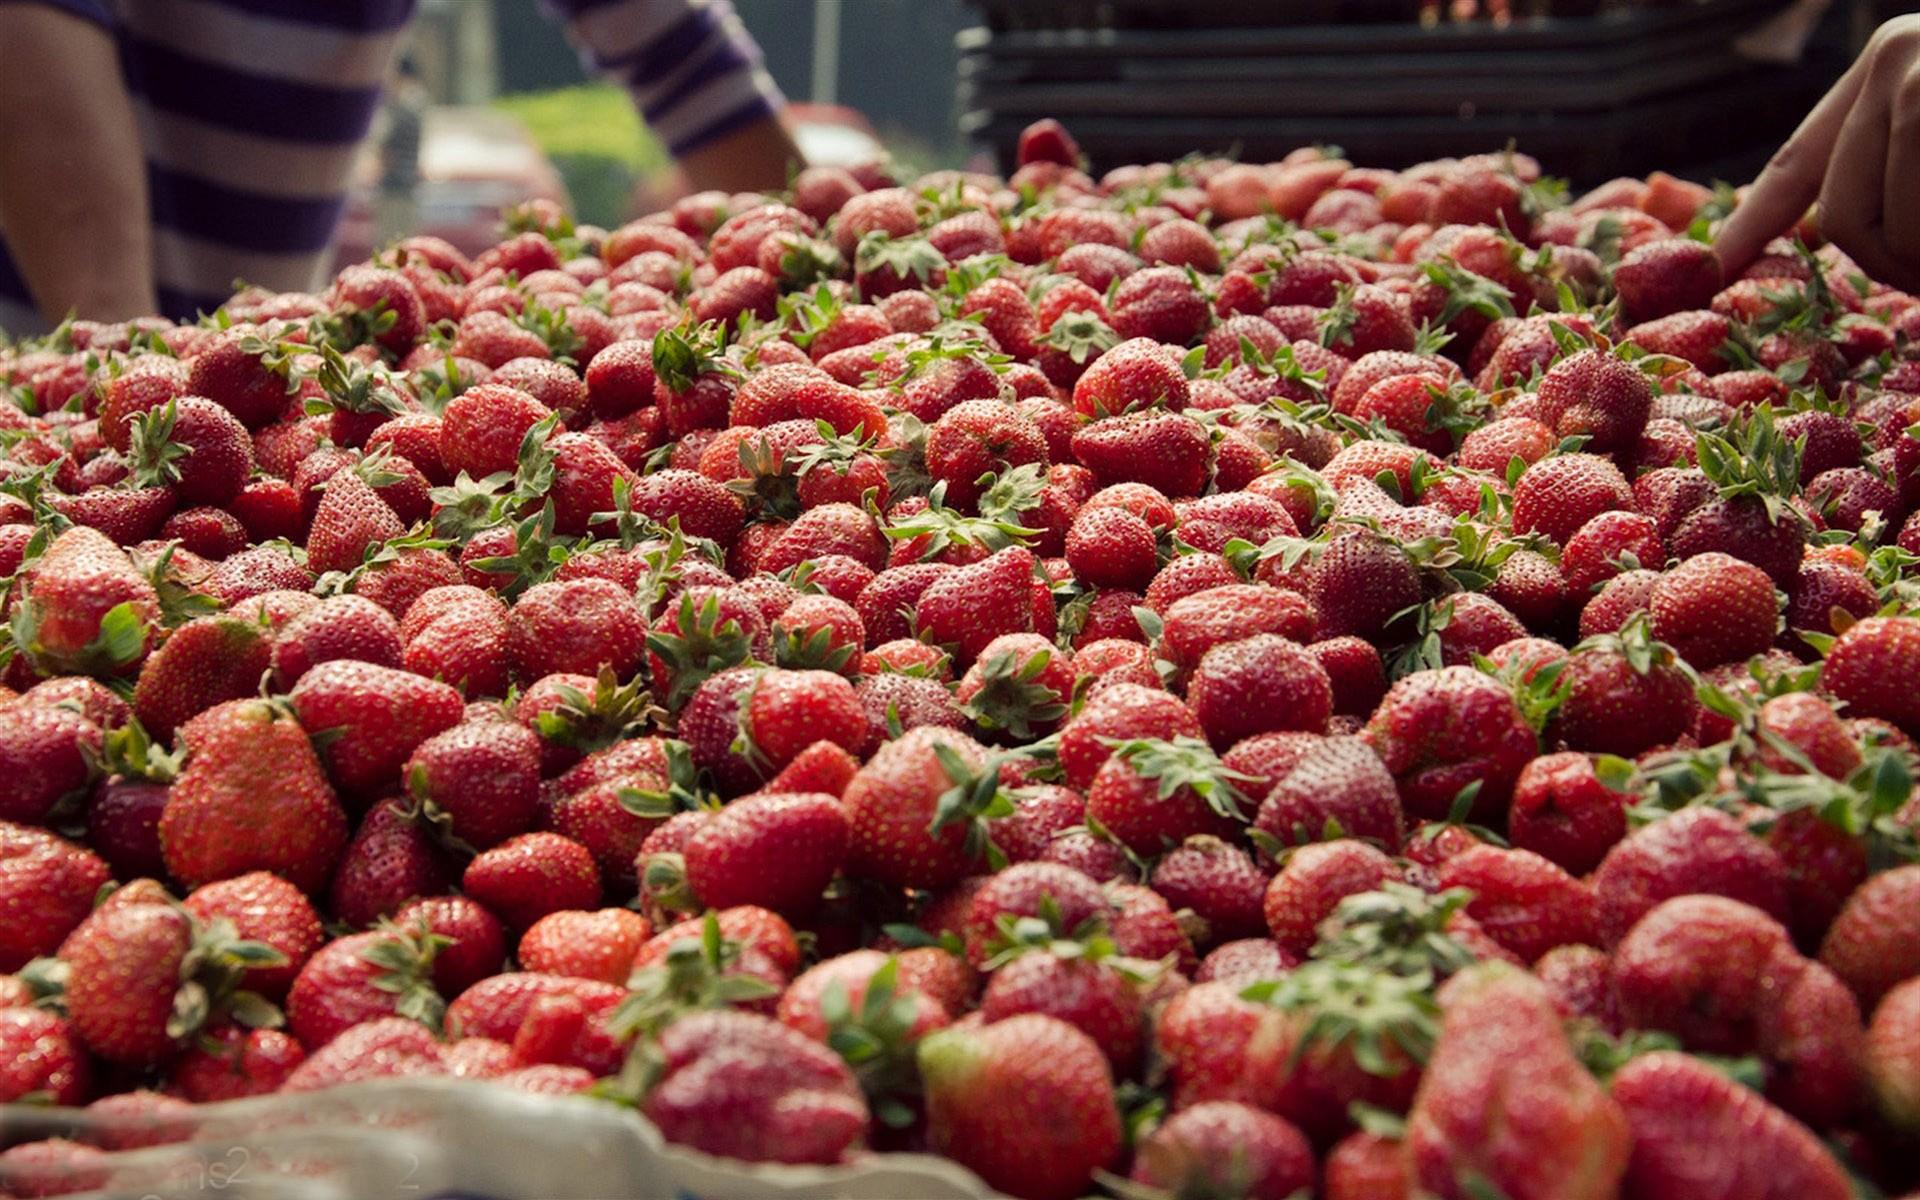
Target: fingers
{"type": "Point", "coordinates": [1791, 181]}
{"type": "Point", "coordinates": [1900, 201]}
{"type": "Point", "coordinates": [1854, 202]}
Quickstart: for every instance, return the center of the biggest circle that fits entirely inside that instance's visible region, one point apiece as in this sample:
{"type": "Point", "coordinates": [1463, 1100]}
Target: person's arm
{"type": "Point", "coordinates": [695, 74]}
{"type": "Point", "coordinates": [1857, 154]}
{"type": "Point", "coordinates": [73, 182]}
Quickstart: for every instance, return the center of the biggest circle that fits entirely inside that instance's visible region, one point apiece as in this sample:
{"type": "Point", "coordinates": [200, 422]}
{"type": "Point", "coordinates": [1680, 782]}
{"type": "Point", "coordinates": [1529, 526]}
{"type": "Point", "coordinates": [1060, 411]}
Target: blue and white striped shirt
{"type": "Point", "coordinates": [251, 113]}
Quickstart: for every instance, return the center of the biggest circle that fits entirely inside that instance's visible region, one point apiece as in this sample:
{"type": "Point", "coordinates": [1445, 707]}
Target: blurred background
{"type": "Point", "coordinates": [492, 106]}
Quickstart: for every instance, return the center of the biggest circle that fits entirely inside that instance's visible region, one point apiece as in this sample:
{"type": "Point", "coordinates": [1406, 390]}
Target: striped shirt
{"type": "Point", "coordinates": [251, 113]}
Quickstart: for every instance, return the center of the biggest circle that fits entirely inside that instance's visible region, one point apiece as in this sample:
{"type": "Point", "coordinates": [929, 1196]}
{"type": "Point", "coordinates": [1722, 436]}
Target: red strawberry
{"type": "Point", "coordinates": [1524, 902]}
{"type": "Point", "coordinates": [1166, 450]}
{"type": "Point", "coordinates": [350, 519]}
{"type": "Point", "coordinates": [1047, 141]}
{"type": "Point", "coordinates": [202, 663]}
{"type": "Point", "coordinates": [45, 754]}
{"type": "Point", "coordinates": [1624, 694]}
{"type": "Point", "coordinates": [1892, 1057]}
{"type": "Point", "coordinates": [596, 945]}
{"type": "Point", "coordinates": [1715, 609]}
{"type": "Point", "coordinates": [375, 716]}
{"type": "Point", "coordinates": [1866, 665]}
{"type": "Point", "coordinates": [1315, 789]}
{"type": "Point", "coordinates": [1665, 276]}
{"type": "Point", "coordinates": [42, 1056]}
{"type": "Point", "coordinates": [1867, 945]}
{"type": "Point", "coordinates": [748, 1087]}
{"type": "Point", "coordinates": [237, 371]}
{"type": "Point", "coordinates": [86, 608]}
{"type": "Point", "coordinates": [195, 446]}
{"type": "Point", "coordinates": [1595, 395]}
{"type": "Point", "coordinates": [912, 809]}
{"type": "Point", "coordinates": [1151, 793]}
{"type": "Point", "coordinates": [339, 627]}
{"type": "Point", "coordinates": [384, 1048]}
{"type": "Point", "coordinates": [577, 626]}
{"type": "Point", "coordinates": [232, 1062]}
{"type": "Point", "coordinates": [1696, 850]}
{"type": "Point", "coordinates": [774, 850]}
{"type": "Point", "coordinates": [1195, 625]}
{"type": "Point", "coordinates": [1312, 882]}
{"type": "Point", "coordinates": [1691, 1123]}
{"type": "Point", "coordinates": [1504, 1105]}
{"type": "Point", "coordinates": [1440, 732]}
{"type": "Point", "coordinates": [996, 1096]}
{"type": "Point", "coordinates": [252, 797]}
{"type": "Point", "coordinates": [363, 977]}
{"type": "Point", "coordinates": [526, 877]}
{"type": "Point", "coordinates": [267, 909]}
{"type": "Point", "coordinates": [47, 886]}
{"type": "Point", "coordinates": [1558, 495]}
{"type": "Point", "coordinates": [1563, 812]}
{"type": "Point", "coordinates": [1233, 1147]}
{"type": "Point", "coordinates": [1359, 583]}
{"type": "Point", "coordinates": [969, 607]}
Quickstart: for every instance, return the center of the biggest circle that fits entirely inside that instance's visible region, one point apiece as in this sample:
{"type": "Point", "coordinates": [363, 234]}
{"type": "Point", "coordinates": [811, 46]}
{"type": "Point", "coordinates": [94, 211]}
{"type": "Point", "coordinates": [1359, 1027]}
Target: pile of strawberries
{"type": "Point", "coordinates": [1225, 680]}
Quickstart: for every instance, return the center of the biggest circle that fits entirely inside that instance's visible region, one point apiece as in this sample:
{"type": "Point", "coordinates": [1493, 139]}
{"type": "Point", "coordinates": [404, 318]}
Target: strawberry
{"type": "Point", "coordinates": [1034, 1065]}
{"type": "Point", "coordinates": [1228, 1146]}
{"type": "Point", "coordinates": [1218, 883]}
{"type": "Point", "coordinates": [1195, 625]}
{"type": "Point", "coordinates": [375, 716]}
{"type": "Point", "coordinates": [1524, 902]}
{"type": "Point", "coordinates": [46, 754]}
{"type": "Point", "coordinates": [43, 1057]}
{"type": "Point", "coordinates": [86, 609]}
{"type": "Point", "coordinates": [267, 909]}
{"type": "Point", "coordinates": [1019, 686]}
{"type": "Point", "coordinates": [1664, 276]}
{"type": "Point", "coordinates": [1559, 494]}
{"type": "Point", "coordinates": [596, 945]}
{"type": "Point", "coordinates": [1892, 1066]}
{"type": "Point", "coordinates": [1608, 544]}
{"type": "Point", "coordinates": [1594, 395]}
{"type": "Point", "coordinates": [1441, 732]}
{"type": "Point", "coordinates": [1365, 1166]}
{"type": "Point", "coordinates": [1047, 141]}
{"type": "Point", "coordinates": [1319, 789]}
{"type": "Point", "coordinates": [351, 520]}
{"type": "Point", "coordinates": [1166, 450]}
{"type": "Point", "coordinates": [193, 445]}
{"type": "Point", "coordinates": [252, 797]}
{"type": "Point", "coordinates": [526, 877]}
{"type": "Point", "coordinates": [1150, 792]}
{"type": "Point", "coordinates": [1866, 945]}
{"type": "Point", "coordinates": [1865, 664]}
{"type": "Point", "coordinates": [47, 886]}
{"type": "Point", "coordinates": [481, 777]}
{"type": "Point", "coordinates": [1713, 609]}
{"type": "Point", "coordinates": [1690, 1123]}
{"type": "Point", "coordinates": [1696, 850]}
{"type": "Point", "coordinates": [1565, 813]}
{"type": "Point", "coordinates": [969, 607]}
{"type": "Point", "coordinates": [339, 627]}
{"type": "Point", "coordinates": [383, 1048]}
{"type": "Point", "coordinates": [1624, 694]}
{"type": "Point", "coordinates": [1504, 1105]}
{"type": "Point", "coordinates": [142, 978]}
{"type": "Point", "coordinates": [774, 850]}
{"type": "Point", "coordinates": [239, 370]}
{"type": "Point", "coordinates": [1081, 987]}
{"type": "Point", "coordinates": [575, 626]}
{"type": "Point", "coordinates": [1359, 583]}
{"type": "Point", "coordinates": [54, 1167]}
{"type": "Point", "coordinates": [1312, 882]}
{"type": "Point", "coordinates": [363, 977]}
{"type": "Point", "coordinates": [204, 662]}
{"type": "Point", "coordinates": [747, 1087]}
{"type": "Point", "coordinates": [913, 809]}
{"type": "Point", "coordinates": [230, 1062]}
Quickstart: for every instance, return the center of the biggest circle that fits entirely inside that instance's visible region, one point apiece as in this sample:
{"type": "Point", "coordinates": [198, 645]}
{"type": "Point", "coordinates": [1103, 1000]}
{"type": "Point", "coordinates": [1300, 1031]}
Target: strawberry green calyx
{"type": "Point", "coordinates": [613, 712]}
{"type": "Point", "coordinates": [683, 355]}
{"type": "Point", "coordinates": [944, 528]}
{"type": "Point", "coordinates": [1386, 1021]}
{"type": "Point", "coordinates": [1011, 699]}
{"type": "Point", "coordinates": [210, 976]}
{"type": "Point", "coordinates": [697, 974]}
{"type": "Point", "coordinates": [1397, 928]}
{"type": "Point", "coordinates": [1187, 763]}
{"type": "Point", "coordinates": [129, 752]}
{"type": "Point", "coordinates": [1081, 336]}
{"type": "Point", "coordinates": [876, 1039]}
{"type": "Point", "coordinates": [975, 798]}
{"type": "Point", "coordinates": [406, 957]}
{"type": "Point", "coordinates": [151, 450]}
{"type": "Point", "coordinates": [354, 387]}
{"type": "Point", "coordinates": [701, 644]}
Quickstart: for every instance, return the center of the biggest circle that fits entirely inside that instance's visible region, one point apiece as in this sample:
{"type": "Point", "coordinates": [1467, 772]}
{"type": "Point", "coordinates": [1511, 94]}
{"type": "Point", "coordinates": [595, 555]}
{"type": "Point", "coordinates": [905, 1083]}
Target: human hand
{"type": "Point", "coordinates": [1857, 154]}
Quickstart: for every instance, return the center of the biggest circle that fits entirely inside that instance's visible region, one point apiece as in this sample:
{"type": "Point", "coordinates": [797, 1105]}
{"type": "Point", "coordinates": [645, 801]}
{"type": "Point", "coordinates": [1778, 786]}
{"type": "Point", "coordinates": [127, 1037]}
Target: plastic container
{"type": "Point", "coordinates": [432, 1138]}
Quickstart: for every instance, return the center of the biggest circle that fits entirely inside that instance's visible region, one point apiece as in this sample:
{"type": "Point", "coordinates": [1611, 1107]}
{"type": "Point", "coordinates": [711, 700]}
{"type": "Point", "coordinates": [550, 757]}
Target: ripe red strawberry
{"type": "Point", "coordinates": [230, 1062]}
{"type": "Point", "coordinates": [526, 877]}
{"type": "Point", "coordinates": [1086, 991]}
{"type": "Point", "coordinates": [1136, 374]}
{"type": "Point", "coordinates": [969, 607]}
{"type": "Point", "coordinates": [1563, 812]}
{"type": "Point", "coordinates": [263, 908]}
{"type": "Point", "coordinates": [204, 662]}
{"type": "Point", "coordinates": [384, 1048]}
{"type": "Point", "coordinates": [1166, 450]}
{"type": "Point", "coordinates": [1624, 694]}
{"type": "Point", "coordinates": [1713, 609]}
{"type": "Point", "coordinates": [1150, 793]}
{"type": "Point", "coordinates": [234, 371]}
{"type": "Point", "coordinates": [142, 978]}
{"type": "Point", "coordinates": [774, 850]}
{"type": "Point", "coordinates": [45, 753]}
{"type": "Point", "coordinates": [1440, 732]}
{"type": "Point", "coordinates": [193, 445]}
{"type": "Point", "coordinates": [1359, 583]}
{"type": "Point", "coordinates": [1194, 625]}
{"type": "Point", "coordinates": [351, 519]}
{"type": "Point", "coordinates": [1606, 545]}
{"type": "Point", "coordinates": [1115, 714]}
{"type": "Point", "coordinates": [338, 627]}
{"type": "Point", "coordinates": [1691, 1122]}
{"type": "Point", "coordinates": [1558, 495]}
{"type": "Point", "coordinates": [1047, 141]}
{"type": "Point", "coordinates": [375, 716]}
{"type": "Point", "coordinates": [748, 1087]}
{"type": "Point", "coordinates": [576, 626]}
{"type": "Point", "coordinates": [1218, 883]}
{"type": "Point", "coordinates": [1228, 1146]}
{"type": "Point", "coordinates": [1313, 789]}
{"type": "Point", "coordinates": [1867, 946]}
{"type": "Point", "coordinates": [363, 977]}
{"type": "Point", "coordinates": [1258, 685]}
{"type": "Point", "coordinates": [47, 886]}
{"type": "Point", "coordinates": [252, 797]}
{"type": "Point", "coordinates": [42, 1056]}
{"type": "Point", "coordinates": [1696, 850]}
{"type": "Point", "coordinates": [1312, 882]}
{"type": "Point", "coordinates": [459, 634]}
{"type": "Point", "coordinates": [1595, 395]}
{"type": "Point", "coordinates": [483, 777]}
{"type": "Point", "coordinates": [1866, 665]}
{"type": "Point", "coordinates": [996, 1095]}
{"type": "Point", "coordinates": [1504, 1104]}
{"type": "Point", "coordinates": [597, 945]}
{"type": "Point", "coordinates": [1524, 902]}
{"type": "Point", "coordinates": [147, 383]}
{"type": "Point", "coordinates": [1019, 687]}
{"type": "Point", "coordinates": [86, 608]}
{"type": "Point", "coordinates": [1665, 276]}
{"type": "Point", "coordinates": [894, 801]}
{"type": "Point", "coordinates": [1893, 1057]}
